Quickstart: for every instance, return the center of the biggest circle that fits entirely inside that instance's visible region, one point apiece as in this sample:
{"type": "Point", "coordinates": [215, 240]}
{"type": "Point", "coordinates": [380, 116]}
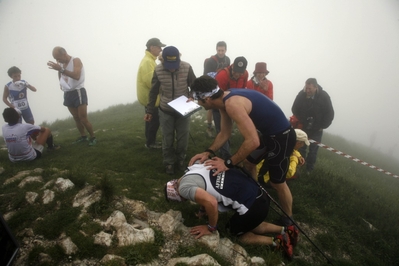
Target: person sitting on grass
{"type": "Point", "coordinates": [231, 190]}
{"type": "Point", "coordinates": [296, 160]}
{"type": "Point", "coordinates": [18, 138]}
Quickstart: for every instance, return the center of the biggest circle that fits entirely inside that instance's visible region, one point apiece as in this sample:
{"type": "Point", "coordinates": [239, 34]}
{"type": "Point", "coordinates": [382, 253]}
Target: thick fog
{"type": "Point", "coordinates": [351, 47]}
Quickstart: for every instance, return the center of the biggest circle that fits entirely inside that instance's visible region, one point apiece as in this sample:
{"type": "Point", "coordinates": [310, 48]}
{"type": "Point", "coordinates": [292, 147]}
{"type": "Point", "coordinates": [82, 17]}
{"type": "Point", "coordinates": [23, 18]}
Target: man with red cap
{"type": "Point", "coordinates": [259, 82]}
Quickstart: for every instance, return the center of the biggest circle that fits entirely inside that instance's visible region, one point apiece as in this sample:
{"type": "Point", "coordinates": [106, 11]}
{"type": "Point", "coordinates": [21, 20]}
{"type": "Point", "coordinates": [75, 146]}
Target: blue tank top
{"type": "Point", "coordinates": [266, 115]}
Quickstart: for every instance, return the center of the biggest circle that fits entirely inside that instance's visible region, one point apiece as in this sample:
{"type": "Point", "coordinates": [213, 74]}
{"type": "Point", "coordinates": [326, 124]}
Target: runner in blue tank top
{"type": "Point", "coordinates": [266, 131]}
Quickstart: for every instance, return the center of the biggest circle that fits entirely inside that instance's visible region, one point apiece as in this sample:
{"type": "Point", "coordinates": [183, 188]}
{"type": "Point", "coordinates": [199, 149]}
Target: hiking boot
{"type": "Point", "coordinates": [80, 140]}
{"type": "Point", "coordinates": [283, 243]}
{"type": "Point", "coordinates": [54, 148]}
{"type": "Point", "coordinates": [92, 141]}
{"type": "Point", "coordinates": [169, 169]}
{"type": "Point", "coordinates": [154, 146]}
{"type": "Point", "coordinates": [293, 233]}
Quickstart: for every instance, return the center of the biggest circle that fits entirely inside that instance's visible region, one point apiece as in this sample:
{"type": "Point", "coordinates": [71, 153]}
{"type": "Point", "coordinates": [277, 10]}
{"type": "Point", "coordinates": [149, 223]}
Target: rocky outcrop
{"type": "Point", "coordinates": [117, 231]}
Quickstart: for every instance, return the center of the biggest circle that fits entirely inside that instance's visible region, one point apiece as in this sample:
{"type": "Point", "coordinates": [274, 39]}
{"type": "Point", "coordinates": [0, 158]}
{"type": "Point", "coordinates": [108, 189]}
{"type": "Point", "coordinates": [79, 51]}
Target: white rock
{"type": "Point", "coordinates": [31, 197]}
{"type": "Point", "coordinates": [30, 179]}
{"type": "Point", "coordinates": [103, 239]}
{"type": "Point", "coordinates": [63, 184]}
{"type": "Point", "coordinates": [48, 196]}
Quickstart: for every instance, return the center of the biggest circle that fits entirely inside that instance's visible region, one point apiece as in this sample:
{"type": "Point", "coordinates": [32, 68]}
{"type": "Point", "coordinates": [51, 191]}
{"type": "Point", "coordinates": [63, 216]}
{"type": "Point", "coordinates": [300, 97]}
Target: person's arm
{"type": "Point", "coordinates": [223, 79]}
{"type": "Point", "coordinates": [190, 79]}
{"type": "Point", "coordinates": [6, 93]}
{"type": "Point", "coordinates": [238, 108]}
{"type": "Point", "coordinates": [154, 91]}
{"type": "Point", "coordinates": [210, 204]}
{"type": "Point", "coordinates": [77, 69]}
{"type": "Point", "coordinates": [226, 126]}
{"type": "Point", "coordinates": [75, 74]}
{"type": "Point", "coordinates": [270, 90]}
{"type": "Point", "coordinates": [328, 115]}
{"type": "Point", "coordinates": [30, 87]}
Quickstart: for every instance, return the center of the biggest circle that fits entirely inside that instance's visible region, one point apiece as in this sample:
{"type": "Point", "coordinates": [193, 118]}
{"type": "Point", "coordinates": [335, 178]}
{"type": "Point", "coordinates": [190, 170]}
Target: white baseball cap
{"type": "Point", "coordinates": [302, 136]}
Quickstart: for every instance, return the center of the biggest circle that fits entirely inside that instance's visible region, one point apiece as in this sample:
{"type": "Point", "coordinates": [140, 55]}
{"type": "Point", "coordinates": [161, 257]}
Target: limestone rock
{"type": "Point", "coordinates": [48, 196]}
{"type": "Point", "coordinates": [110, 257]}
{"type": "Point", "coordinates": [30, 179]}
{"type": "Point", "coordinates": [128, 235]}
{"type": "Point", "coordinates": [170, 221]}
{"type": "Point", "coordinates": [68, 246]}
{"type": "Point", "coordinates": [63, 184]}
{"type": "Point", "coordinates": [201, 259]}
{"type": "Point", "coordinates": [31, 197]}
{"type": "Point", "coordinates": [86, 197]}
{"type": "Point", "coordinates": [103, 239]}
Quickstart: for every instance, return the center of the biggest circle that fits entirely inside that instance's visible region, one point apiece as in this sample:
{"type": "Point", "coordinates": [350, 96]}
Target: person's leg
{"type": "Point", "coordinates": [79, 125]}
{"type": "Point", "coordinates": [167, 123]}
{"type": "Point", "coordinates": [28, 116]}
{"type": "Point", "coordinates": [313, 148]}
{"type": "Point", "coordinates": [152, 128]}
{"type": "Point", "coordinates": [280, 148]}
{"type": "Point", "coordinates": [82, 114]}
{"type": "Point", "coordinates": [182, 136]}
{"type": "Point", "coordinates": [284, 196]}
{"type": "Point", "coordinates": [257, 235]}
{"type": "Point", "coordinates": [41, 139]}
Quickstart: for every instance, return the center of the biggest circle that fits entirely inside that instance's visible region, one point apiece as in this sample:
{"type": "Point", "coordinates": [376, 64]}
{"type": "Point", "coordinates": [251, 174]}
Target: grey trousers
{"type": "Point", "coordinates": [174, 127]}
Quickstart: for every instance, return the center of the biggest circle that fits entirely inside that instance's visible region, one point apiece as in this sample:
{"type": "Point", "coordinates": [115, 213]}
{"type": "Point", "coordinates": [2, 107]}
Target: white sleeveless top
{"type": "Point", "coordinates": [70, 84]}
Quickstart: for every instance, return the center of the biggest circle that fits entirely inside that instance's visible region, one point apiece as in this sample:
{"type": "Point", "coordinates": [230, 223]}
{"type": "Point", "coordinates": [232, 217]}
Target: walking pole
{"type": "Point", "coordinates": [281, 209]}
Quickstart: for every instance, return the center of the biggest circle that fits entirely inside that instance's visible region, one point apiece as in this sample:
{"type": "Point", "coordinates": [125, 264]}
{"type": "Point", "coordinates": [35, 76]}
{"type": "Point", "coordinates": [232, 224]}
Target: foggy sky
{"type": "Point", "coordinates": [351, 47]}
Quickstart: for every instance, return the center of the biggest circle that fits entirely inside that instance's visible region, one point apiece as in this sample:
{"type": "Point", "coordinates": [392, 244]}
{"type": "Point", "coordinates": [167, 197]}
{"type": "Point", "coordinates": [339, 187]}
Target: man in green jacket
{"type": "Point", "coordinates": [144, 77]}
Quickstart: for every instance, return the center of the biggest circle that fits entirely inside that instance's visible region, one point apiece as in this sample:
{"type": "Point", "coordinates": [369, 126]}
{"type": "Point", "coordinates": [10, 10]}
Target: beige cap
{"type": "Point", "coordinates": [302, 136]}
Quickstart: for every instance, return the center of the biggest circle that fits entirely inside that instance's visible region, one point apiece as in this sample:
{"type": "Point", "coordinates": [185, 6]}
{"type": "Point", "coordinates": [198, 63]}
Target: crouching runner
{"type": "Point", "coordinates": [230, 190]}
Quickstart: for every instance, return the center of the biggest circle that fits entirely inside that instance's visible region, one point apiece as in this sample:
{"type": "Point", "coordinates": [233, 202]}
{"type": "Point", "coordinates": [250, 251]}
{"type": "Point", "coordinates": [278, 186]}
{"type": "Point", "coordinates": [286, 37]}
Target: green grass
{"type": "Point", "coordinates": [332, 204]}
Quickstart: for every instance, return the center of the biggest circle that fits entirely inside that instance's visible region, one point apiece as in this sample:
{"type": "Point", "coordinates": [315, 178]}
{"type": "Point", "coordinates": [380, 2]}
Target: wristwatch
{"type": "Point", "coordinates": [228, 163]}
{"type": "Point", "coordinates": [62, 70]}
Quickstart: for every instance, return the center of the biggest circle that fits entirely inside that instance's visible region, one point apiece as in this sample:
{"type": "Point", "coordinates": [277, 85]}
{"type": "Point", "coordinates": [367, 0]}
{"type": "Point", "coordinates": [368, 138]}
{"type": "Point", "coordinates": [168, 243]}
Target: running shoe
{"type": "Point", "coordinates": [92, 141]}
{"type": "Point", "coordinates": [284, 244]}
{"type": "Point", "coordinates": [293, 233]}
{"type": "Point", "coordinates": [80, 140]}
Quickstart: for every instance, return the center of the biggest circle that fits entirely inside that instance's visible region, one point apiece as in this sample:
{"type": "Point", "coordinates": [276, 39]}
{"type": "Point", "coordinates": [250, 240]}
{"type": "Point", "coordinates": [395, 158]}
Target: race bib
{"type": "Point", "coordinates": [21, 104]}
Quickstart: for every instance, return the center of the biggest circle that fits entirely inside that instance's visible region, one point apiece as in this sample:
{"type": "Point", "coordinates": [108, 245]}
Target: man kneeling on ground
{"type": "Point", "coordinates": [231, 190]}
{"type": "Point", "coordinates": [18, 138]}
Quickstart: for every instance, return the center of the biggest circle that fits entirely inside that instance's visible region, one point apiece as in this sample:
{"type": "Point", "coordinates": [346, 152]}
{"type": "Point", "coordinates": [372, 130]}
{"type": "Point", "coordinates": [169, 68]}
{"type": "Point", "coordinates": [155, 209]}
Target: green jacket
{"type": "Point", "coordinates": [144, 77]}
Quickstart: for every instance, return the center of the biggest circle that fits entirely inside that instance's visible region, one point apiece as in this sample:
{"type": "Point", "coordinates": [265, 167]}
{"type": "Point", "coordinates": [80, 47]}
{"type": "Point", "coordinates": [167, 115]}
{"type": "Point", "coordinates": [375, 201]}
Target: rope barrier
{"type": "Point", "coordinates": [352, 158]}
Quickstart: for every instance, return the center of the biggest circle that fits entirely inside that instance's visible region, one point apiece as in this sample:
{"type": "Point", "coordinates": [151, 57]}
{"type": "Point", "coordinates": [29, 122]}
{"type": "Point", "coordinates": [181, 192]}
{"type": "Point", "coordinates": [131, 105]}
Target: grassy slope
{"type": "Point", "coordinates": [331, 204]}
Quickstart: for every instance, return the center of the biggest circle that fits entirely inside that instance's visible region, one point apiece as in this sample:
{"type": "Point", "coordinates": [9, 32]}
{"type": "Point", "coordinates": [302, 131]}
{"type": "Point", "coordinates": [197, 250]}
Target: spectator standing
{"type": "Point", "coordinates": [172, 79]}
{"type": "Point", "coordinates": [71, 75]}
{"type": "Point", "coordinates": [15, 94]}
{"type": "Point", "coordinates": [233, 76]}
{"type": "Point", "coordinates": [213, 64]}
{"type": "Point", "coordinates": [313, 108]}
{"type": "Point", "coordinates": [144, 78]}
{"type": "Point", "coordinates": [259, 82]}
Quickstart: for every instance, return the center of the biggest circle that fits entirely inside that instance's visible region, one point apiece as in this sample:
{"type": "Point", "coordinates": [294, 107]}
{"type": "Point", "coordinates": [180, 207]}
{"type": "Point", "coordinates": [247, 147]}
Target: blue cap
{"type": "Point", "coordinates": [171, 57]}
